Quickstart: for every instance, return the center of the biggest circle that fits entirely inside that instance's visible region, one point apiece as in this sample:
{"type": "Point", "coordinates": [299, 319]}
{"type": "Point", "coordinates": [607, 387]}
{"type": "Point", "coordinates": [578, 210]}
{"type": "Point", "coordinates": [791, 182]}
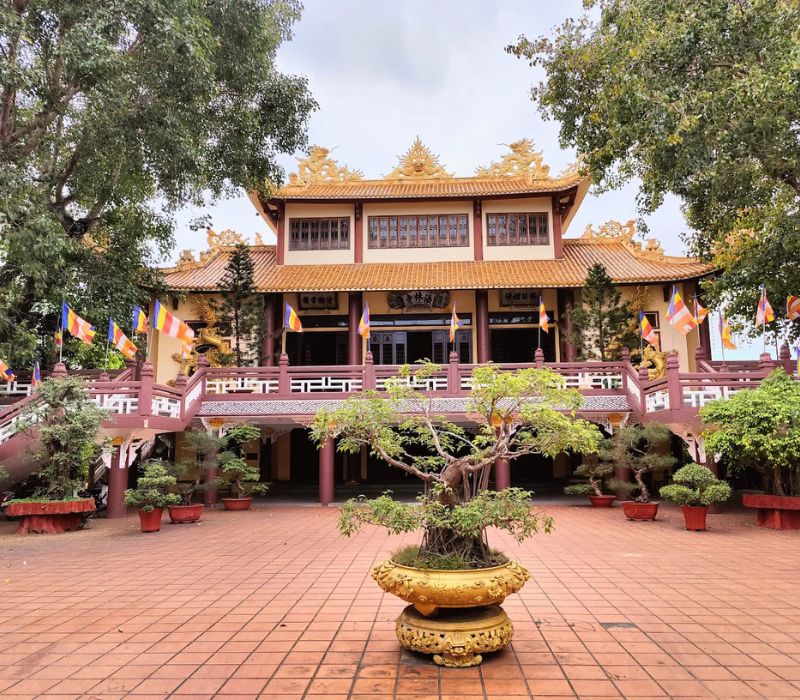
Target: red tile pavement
{"type": "Point", "coordinates": [272, 603]}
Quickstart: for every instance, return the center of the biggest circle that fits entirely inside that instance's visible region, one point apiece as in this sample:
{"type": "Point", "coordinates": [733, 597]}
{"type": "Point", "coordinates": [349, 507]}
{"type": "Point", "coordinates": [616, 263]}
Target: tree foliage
{"type": "Point", "coordinates": [695, 485]}
{"type": "Point", "coordinates": [111, 116]}
{"type": "Point", "coordinates": [242, 306]}
{"type": "Point", "coordinates": [759, 429]}
{"type": "Point", "coordinates": [595, 475]}
{"type": "Point", "coordinates": [236, 472]}
{"type": "Point", "coordinates": [642, 449]}
{"type": "Point", "coordinates": [205, 447]}
{"type": "Point", "coordinates": [152, 489]}
{"type": "Point", "coordinates": [698, 99]}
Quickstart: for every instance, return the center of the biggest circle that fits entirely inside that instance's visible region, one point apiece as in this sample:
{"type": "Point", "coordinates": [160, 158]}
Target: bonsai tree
{"type": "Point", "coordinates": [151, 490]}
{"type": "Point", "coordinates": [529, 411]}
{"type": "Point", "coordinates": [759, 429]}
{"type": "Point", "coordinates": [205, 446]}
{"type": "Point", "coordinates": [235, 470]}
{"type": "Point", "coordinates": [695, 485]}
{"type": "Point", "coordinates": [595, 475]}
{"type": "Point", "coordinates": [67, 428]}
{"type": "Point", "coordinates": [642, 449]}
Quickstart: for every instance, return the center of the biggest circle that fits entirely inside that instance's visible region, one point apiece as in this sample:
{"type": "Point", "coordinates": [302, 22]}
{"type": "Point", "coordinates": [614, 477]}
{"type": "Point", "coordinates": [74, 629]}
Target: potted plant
{"type": "Point", "coordinates": [206, 447]}
{"type": "Point", "coordinates": [66, 426]}
{"type": "Point", "coordinates": [759, 429]}
{"type": "Point", "coordinates": [236, 472]}
{"type": "Point", "coordinates": [151, 496]}
{"type": "Point", "coordinates": [596, 474]}
{"type": "Point", "coordinates": [638, 450]}
{"type": "Point", "coordinates": [695, 488]}
{"type": "Point", "coordinates": [453, 578]}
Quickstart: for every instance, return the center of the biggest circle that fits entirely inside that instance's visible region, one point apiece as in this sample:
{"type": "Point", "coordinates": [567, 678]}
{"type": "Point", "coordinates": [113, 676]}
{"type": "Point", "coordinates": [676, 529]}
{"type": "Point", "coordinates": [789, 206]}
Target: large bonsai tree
{"type": "Point", "coordinates": [235, 470]}
{"type": "Point", "coordinates": [695, 485]}
{"type": "Point", "coordinates": [595, 476]}
{"type": "Point", "coordinates": [205, 447]}
{"type": "Point", "coordinates": [642, 449]}
{"type": "Point", "coordinates": [759, 429]}
{"type": "Point", "coordinates": [518, 413]}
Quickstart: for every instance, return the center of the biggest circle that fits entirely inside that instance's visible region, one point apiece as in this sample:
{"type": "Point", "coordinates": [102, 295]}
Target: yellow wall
{"type": "Point", "coordinates": [318, 257]}
{"type": "Point", "coordinates": [518, 252]}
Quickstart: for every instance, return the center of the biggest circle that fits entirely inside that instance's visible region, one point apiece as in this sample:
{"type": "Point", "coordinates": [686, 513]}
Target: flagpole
{"type": "Point", "coordinates": [61, 326]}
{"type": "Point", "coordinates": [721, 339]}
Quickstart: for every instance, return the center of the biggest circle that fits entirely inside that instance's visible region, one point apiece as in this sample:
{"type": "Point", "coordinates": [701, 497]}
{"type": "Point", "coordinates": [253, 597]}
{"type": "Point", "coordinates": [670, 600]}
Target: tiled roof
{"type": "Point", "coordinates": [622, 263]}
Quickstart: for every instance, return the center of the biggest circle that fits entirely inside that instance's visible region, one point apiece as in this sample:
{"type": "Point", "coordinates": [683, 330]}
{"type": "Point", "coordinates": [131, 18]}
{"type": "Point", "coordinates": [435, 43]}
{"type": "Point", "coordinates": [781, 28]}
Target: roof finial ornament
{"type": "Point", "coordinates": [320, 167]}
{"type": "Point", "coordinates": [521, 161]}
{"type": "Point", "coordinates": [615, 232]}
{"type": "Point", "coordinates": [226, 238]}
{"type": "Point", "coordinates": [418, 163]}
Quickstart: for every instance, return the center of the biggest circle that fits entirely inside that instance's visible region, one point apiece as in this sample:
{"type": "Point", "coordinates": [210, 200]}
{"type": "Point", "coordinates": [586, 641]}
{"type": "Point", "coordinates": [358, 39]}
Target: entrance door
{"type": "Point", "coordinates": [441, 347]}
{"type": "Point", "coordinates": [388, 348]}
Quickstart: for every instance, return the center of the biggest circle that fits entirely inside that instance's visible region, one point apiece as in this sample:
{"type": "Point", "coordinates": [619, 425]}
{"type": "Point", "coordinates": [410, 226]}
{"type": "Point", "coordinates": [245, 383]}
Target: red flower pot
{"type": "Point", "coordinates": [237, 503]}
{"type": "Point", "coordinates": [695, 517]}
{"type": "Point", "coordinates": [185, 514]}
{"type": "Point", "coordinates": [151, 522]}
{"type": "Point", "coordinates": [635, 510]}
{"type": "Point", "coordinates": [602, 501]}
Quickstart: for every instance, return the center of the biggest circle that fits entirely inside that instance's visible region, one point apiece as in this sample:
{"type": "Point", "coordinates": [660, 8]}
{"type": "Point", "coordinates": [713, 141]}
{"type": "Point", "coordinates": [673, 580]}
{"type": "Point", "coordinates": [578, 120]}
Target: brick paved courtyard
{"type": "Point", "coordinates": [272, 603]}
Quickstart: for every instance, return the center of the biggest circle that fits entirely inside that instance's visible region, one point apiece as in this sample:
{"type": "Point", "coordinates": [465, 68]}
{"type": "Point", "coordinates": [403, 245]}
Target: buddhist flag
{"type": "Point", "coordinates": [75, 325]}
{"type": "Point", "coordinates": [139, 321]}
{"type": "Point", "coordinates": [36, 375]}
{"type": "Point", "coordinates": [648, 332]}
{"type": "Point", "coordinates": [679, 315]}
{"type": "Point", "coordinates": [171, 325]}
{"type": "Point", "coordinates": [58, 338]}
{"type": "Point", "coordinates": [700, 312]}
{"type": "Point", "coordinates": [363, 324]}
{"type": "Point", "coordinates": [725, 333]}
{"type": "Point", "coordinates": [764, 313]}
{"type": "Point", "coordinates": [120, 341]}
{"type": "Point", "coordinates": [291, 321]}
{"type": "Point", "coordinates": [792, 307]}
{"type": "Point", "coordinates": [544, 319]}
{"type": "Point", "coordinates": [797, 356]}
{"type": "Point", "coordinates": [455, 324]}
{"type": "Point", "coordinates": [5, 372]}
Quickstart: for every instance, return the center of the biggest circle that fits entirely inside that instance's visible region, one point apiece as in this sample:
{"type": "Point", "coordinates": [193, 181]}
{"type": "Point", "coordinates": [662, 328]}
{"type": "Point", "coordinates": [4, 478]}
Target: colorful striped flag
{"type": "Point", "coordinates": [171, 325]}
{"type": "Point", "coordinates": [75, 325]}
{"type": "Point", "coordinates": [6, 373]}
{"type": "Point", "coordinates": [679, 315]}
{"type": "Point", "coordinates": [58, 338]}
{"type": "Point", "coordinates": [648, 332]}
{"type": "Point", "coordinates": [792, 307]}
{"type": "Point", "coordinates": [764, 313]}
{"type": "Point", "coordinates": [797, 356]}
{"type": "Point", "coordinates": [700, 312]}
{"type": "Point", "coordinates": [455, 324]}
{"type": "Point", "coordinates": [36, 375]}
{"type": "Point", "coordinates": [725, 333]}
{"type": "Point", "coordinates": [363, 325]}
{"type": "Point", "coordinates": [544, 319]}
{"type": "Point", "coordinates": [291, 321]}
{"type": "Point", "coordinates": [139, 321]}
{"type": "Point", "coordinates": [120, 341]}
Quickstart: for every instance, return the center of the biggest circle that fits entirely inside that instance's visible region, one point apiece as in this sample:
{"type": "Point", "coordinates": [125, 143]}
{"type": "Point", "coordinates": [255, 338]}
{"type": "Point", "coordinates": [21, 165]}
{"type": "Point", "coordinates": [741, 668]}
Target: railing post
{"type": "Point", "coordinates": [625, 356]}
{"type": "Point", "coordinates": [202, 366]}
{"type": "Point", "coordinates": [59, 371]}
{"type": "Point", "coordinates": [765, 363]}
{"type": "Point", "coordinates": [453, 384]}
{"type": "Point", "coordinates": [674, 381]}
{"type": "Point", "coordinates": [146, 390]}
{"type": "Point", "coordinates": [538, 358]}
{"type": "Point", "coordinates": [699, 356]}
{"type": "Point", "coordinates": [370, 383]}
{"type": "Point", "coordinates": [785, 358]}
{"type": "Point", "coordinates": [284, 383]}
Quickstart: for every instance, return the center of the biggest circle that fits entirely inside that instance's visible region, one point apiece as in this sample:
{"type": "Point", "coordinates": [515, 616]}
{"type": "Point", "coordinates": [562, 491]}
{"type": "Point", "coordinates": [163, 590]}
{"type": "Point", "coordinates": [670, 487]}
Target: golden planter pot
{"type": "Point", "coordinates": [430, 589]}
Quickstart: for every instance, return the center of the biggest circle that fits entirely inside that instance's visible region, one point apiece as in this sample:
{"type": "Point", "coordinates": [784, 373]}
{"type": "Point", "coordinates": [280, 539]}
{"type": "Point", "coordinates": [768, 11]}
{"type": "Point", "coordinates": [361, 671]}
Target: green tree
{"type": "Point", "coordinates": [235, 469]}
{"type": "Point", "coordinates": [112, 115]}
{"type": "Point", "coordinates": [759, 429]}
{"type": "Point", "coordinates": [242, 306]}
{"type": "Point", "coordinates": [601, 319]}
{"type": "Point", "coordinates": [695, 485]}
{"type": "Point", "coordinates": [641, 449]}
{"type": "Point", "coordinates": [698, 99]}
{"type": "Point", "coordinates": [152, 489]}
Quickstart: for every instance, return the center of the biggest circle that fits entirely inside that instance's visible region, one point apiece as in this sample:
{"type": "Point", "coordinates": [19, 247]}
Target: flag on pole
{"type": "Point", "coordinates": [455, 324]}
{"type": "Point", "coordinates": [291, 321]}
{"type": "Point", "coordinates": [764, 313]}
{"type": "Point", "coordinates": [363, 324]}
{"type": "Point", "coordinates": [792, 307]}
{"type": "Point", "coordinates": [36, 375]}
{"type": "Point", "coordinates": [725, 333]}
{"type": "Point", "coordinates": [544, 319]}
{"type": "Point", "coordinates": [139, 320]}
{"type": "Point", "coordinates": [186, 351]}
{"type": "Point", "coordinates": [75, 325]}
{"type": "Point", "coordinates": [700, 312]}
{"type": "Point", "coordinates": [5, 372]}
{"type": "Point", "coordinates": [58, 339]}
{"type": "Point", "coordinates": [120, 341]}
{"type": "Point", "coordinates": [648, 332]}
{"type": "Point", "coordinates": [171, 325]}
{"type": "Point", "coordinates": [679, 315]}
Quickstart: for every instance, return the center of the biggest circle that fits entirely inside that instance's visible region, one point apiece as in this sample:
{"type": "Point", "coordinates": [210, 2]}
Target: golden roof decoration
{"type": "Point", "coordinates": [615, 232]}
{"type": "Point", "coordinates": [319, 167]}
{"type": "Point", "coordinates": [520, 161]}
{"type": "Point", "coordinates": [418, 163]}
{"type": "Point", "coordinates": [223, 239]}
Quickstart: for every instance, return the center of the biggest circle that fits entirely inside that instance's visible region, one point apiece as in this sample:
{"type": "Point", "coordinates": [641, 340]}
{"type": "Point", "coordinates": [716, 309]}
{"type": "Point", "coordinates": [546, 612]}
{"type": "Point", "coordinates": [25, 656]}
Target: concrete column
{"type": "Point", "coordinates": [502, 474]}
{"type": "Point", "coordinates": [326, 473]}
{"type": "Point", "coordinates": [353, 338]}
{"type": "Point", "coordinates": [482, 325]}
{"type": "Point", "coordinates": [117, 482]}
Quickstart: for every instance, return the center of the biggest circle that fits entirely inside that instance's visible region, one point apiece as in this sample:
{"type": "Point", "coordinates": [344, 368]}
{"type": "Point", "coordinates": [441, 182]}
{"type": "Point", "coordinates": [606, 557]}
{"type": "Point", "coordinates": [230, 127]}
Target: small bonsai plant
{"type": "Point", "coordinates": [152, 489]}
{"type": "Point", "coordinates": [695, 485]}
{"type": "Point", "coordinates": [641, 449]}
{"type": "Point", "coordinates": [206, 447]}
{"type": "Point", "coordinates": [235, 471]}
{"type": "Point", "coordinates": [595, 474]}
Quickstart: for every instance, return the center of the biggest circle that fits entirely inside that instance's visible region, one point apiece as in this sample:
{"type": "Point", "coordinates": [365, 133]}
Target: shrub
{"type": "Point", "coordinates": [695, 485]}
{"type": "Point", "coordinates": [595, 475]}
{"type": "Point", "coordinates": [642, 449]}
{"type": "Point", "coordinates": [152, 489]}
{"type": "Point", "coordinates": [235, 470]}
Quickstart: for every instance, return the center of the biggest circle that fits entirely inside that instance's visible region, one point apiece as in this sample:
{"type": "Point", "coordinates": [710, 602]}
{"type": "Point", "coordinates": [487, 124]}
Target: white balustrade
{"type": "Point", "coordinates": [657, 401]}
{"type": "Point", "coordinates": [166, 407]}
{"type": "Point", "coordinates": [9, 429]}
{"type": "Point", "coordinates": [308, 385]}
{"type": "Point", "coordinates": [419, 383]}
{"type": "Point", "coordinates": [16, 388]}
{"type": "Point", "coordinates": [229, 385]}
{"type": "Point", "coordinates": [193, 395]}
{"type": "Point", "coordinates": [697, 397]}
{"type": "Point", "coordinates": [120, 404]}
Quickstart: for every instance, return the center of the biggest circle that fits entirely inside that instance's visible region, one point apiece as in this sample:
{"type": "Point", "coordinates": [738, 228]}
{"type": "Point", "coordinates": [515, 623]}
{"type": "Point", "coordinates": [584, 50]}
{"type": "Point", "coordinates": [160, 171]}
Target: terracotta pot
{"type": "Point", "coordinates": [602, 501]}
{"type": "Point", "coordinates": [50, 516]}
{"type": "Point", "coordinates": [151, 522]}
{"type": "Point", "coordinates": [186, 514]}
{"type": "Point", "coordinates": [635, 510]}
{"type": "Point", "coordinates": [237, 503]}
{"type": "Point", "coordinates": [775, 512]}
{"type": "Point", "coordinates": [695, 517]}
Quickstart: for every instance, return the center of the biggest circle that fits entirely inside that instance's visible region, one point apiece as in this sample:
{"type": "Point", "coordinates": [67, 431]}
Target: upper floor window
{"type": "Point", "coordinates": [434, 231]}
{"type": "Point", "coordinates": [319, 234]}
{"type": "Point", "coordinates": [517, 229]}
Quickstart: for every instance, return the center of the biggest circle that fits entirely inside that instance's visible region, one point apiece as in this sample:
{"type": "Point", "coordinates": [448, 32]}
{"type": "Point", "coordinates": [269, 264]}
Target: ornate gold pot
{"type": "Point", "coordinates": [430, 589]}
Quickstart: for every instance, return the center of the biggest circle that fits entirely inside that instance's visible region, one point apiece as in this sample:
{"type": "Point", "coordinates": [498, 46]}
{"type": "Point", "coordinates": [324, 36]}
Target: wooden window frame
{"type": "Point", "coordinates": [517, 221]}
{"type": "Point", "coordinates": [399, 231]}
{"type": "Point", "coordinates": [318, 231]}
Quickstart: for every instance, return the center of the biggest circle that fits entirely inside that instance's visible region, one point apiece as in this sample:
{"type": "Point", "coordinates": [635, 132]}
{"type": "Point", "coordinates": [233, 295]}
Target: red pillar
{"type": "Point", "coordinates": [353, 338]}
{"type": "Point", "coordinates": [558, 243]}
{"type": "Point", "coordinates": [117, 482]}
{"type": "Point", "coordinates": [326, 473]}
{"type": "Point", "coordinates": [358, 233]}
{"type": "Point", "coordinates": [477, 229]}
{"type": "Point", "coordinates": [210, 491]}
{"type": "Point", "coordinates": [271, 330]}
{"type": "Point", "coordinates": [482, 324]}
{"type": "Point", "coordinates": [281, 247]}
{"type": "Point", "coordinates": [502, 474]}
